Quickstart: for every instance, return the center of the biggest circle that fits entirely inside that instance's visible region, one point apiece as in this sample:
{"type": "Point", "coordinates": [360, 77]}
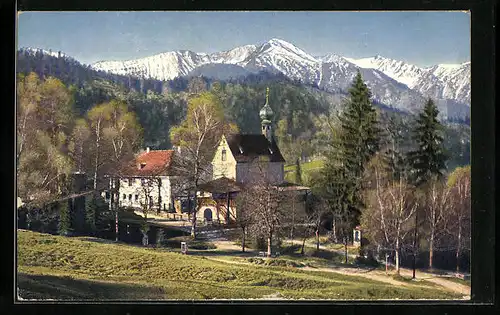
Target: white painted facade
{"type": "Point", "coordinates": [225, 165]}
{"type": "Point", "coordinates": [133, 192]}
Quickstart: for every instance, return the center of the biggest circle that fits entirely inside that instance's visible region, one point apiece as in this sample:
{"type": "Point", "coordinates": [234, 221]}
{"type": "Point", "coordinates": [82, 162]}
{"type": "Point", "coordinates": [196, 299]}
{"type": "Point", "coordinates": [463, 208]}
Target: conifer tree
{"type": "Point", "coordinates": [357, 140]}
{"type": "Point", "coordinates": [298, 172]}
{"type": "Point", "coordinates": [428, 159]}
{"type": "Point", "coordinates": [90, 213]}
{"type": "Point", "coordinates": [394, 153]}
{"type": "Point", "coordinates": [64, 225]}
{"type": "Point", "coordinates": [360, 136]}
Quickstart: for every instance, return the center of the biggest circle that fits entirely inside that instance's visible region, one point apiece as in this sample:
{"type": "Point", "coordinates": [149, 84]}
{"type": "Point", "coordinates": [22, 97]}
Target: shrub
{"type": "Point", "coordinates": [282, 263]}
{"type": "Point", "coordinates": [258, 261]}
{"type": "Point", "coordinates": [201, 245]}
{"type": "Point", "coordinates": [64, 226]}
{"type": "Point", "coordinates": [160, 238]}
{"type": "Point", "coordinates": [321, 253]}
{"type": "Point", "coordinates": [369, 261]}
{"type": "Point", "coordinates": [290, 250]}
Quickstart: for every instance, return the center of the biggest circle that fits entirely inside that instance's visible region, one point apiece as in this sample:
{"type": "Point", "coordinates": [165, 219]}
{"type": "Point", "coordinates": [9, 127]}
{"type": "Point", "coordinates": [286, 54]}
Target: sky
{"type": "Point", "coordinates": [420, 38]}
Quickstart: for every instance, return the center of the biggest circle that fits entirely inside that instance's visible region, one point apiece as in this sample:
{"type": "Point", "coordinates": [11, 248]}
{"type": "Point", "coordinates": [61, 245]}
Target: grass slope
{"type": "Point", "coordinates": [81, 268]}
{"type": "Point", "coordinates": [306, 168]}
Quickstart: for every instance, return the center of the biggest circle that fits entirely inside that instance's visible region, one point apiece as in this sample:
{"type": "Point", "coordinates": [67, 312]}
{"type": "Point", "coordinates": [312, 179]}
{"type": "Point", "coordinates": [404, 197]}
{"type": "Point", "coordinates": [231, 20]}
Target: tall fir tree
{"type": "Point", "coordinates": [360, 136]}
{"type": "Point", "coordinates": [428, 160]}
{"type": "Point", "coordinates": [64, 226]}
{"type": "Point", "coordinates": [394, 154]}
{"type": "Point", "coordinates": [357, 140]}
{"type": "Point", "coordinates": [298, 172]}
{"type": "Point", "coordinates": [90, 213]}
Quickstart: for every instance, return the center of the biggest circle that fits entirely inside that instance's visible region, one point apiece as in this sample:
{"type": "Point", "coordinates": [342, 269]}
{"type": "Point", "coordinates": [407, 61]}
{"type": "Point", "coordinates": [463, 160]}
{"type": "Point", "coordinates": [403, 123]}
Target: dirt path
{"type": "Point", "coordinates": [441, 281]}
{"type": "Point", "coordinates": [376, 275]}
{"type": "Point", "coordinates": [349, 272]}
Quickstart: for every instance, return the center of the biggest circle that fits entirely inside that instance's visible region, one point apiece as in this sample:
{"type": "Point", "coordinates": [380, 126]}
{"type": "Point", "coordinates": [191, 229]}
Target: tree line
{"type": "Point", "coordinates": [385, 164]}
{"type": "Point", "coordinates": [394, 185]}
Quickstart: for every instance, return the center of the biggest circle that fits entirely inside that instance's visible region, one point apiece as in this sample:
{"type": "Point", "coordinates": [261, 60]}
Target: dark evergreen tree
{"type": "Point", "coordinates": [428, 159]}
{"type": "Point", "coordinates": [160, 238]}
{"type": "Point", "coordinates": [298, 172]}
{"type": "Point", "coordinates": [64, 226]}
{"type": "Point", "coordinates": [396, 146]}
{"type": "Point", "coordinates": [360, 132]}
{"type": "Point", "coordinates": [91, 213]}
{"type": "Point", "coordinates": [358, 139]}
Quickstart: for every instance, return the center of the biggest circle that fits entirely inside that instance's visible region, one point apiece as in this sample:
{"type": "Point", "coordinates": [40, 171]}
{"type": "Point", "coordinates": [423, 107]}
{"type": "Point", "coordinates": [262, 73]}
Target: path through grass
{"type": "Point", "coordinates": [58, 267]}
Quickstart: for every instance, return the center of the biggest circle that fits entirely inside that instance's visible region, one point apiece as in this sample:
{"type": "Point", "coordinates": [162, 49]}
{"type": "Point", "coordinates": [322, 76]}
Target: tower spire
{"type": "Point", "coordinates": [266, 114]}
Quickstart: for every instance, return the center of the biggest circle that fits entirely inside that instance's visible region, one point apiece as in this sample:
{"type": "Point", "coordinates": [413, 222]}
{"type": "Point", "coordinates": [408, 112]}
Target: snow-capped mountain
{"type": "Point", "coordinates": [443, 81]}
{"type": "Point", "coordinates": [398, 70]}
{"type": "Point", "coordinates": [392, 82]}
{"type": "Point", "coordinates": [34, 51]}
{"type": "Point", "coordinates": [164, 66]}
{"type": "Point", "coordinates": [447, 82]}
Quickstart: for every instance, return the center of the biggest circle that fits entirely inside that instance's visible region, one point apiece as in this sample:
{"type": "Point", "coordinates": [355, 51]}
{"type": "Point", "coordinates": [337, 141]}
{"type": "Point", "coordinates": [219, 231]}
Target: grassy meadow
{"type": "Point", "coordinates": [85, 268]}
{"type": "Point", "coordinates": [307, 168]}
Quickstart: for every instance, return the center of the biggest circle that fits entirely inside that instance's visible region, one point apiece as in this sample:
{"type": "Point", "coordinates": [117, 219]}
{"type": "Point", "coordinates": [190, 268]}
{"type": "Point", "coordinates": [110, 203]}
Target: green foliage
{"type": "Point", "coordinates": [360, 130]}
{"type": "Point", "coordinates": [369, 261]}
{"type": "Point", "coordinates": [396, 145]}
{"type": "Point", "coordinates": [64, 225]}
{"type": "Point", "coordinates": [298, 172]}
{"type": "Point", "coordinates": [44, 122]}
{"type": "Point", "coordinates": [95, 213]}
{"type": "Point", "coordinates": [428, 160]}
{"type": "Point", "coordinates": [457, 174]}
{"type": "Point", "coordinates": [160, 238]}
{"type": "Point", "coordinates": [358, 139]}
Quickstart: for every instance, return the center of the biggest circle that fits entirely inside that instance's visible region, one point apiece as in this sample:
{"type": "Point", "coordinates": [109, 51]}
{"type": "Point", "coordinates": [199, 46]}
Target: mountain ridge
{"type": "Point", "coordinates": [393, 82]}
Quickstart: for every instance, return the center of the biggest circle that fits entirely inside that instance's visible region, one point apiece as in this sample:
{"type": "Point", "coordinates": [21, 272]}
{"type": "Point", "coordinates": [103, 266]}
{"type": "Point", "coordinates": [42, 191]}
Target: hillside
{"type": "Point", "coordinates": [299, 108]}
{"type": "Point", "coordinates": [393, 83]}
{"type": "Point", "coordinates": [83, 268]}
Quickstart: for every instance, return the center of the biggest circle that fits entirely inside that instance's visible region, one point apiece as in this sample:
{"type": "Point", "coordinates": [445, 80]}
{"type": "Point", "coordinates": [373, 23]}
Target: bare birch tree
{"type": "Point", "coordinates": [391, 205]}
{"type": "Point", "coordinates": [266, 200]}
{"type": "Point", "coordinates": [437, 207]}
{"type": "Point", "coordinates": [244, 219]}
{"type": "Point", "coordinates": [460, 185]}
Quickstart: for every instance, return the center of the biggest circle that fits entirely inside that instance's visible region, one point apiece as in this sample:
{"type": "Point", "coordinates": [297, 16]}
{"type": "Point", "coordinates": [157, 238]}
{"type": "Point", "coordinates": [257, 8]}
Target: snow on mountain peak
{"type": "Point", "coordinates": [445, 81]}
{"type": "Point", "coordinates": [45, 52]}
{"type": "Point", "coordinates": [279, 46]}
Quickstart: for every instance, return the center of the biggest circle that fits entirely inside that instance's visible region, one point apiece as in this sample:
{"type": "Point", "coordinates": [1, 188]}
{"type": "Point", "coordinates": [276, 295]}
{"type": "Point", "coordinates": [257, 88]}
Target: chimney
{"type": "Point", "coordinates": [147, 150]}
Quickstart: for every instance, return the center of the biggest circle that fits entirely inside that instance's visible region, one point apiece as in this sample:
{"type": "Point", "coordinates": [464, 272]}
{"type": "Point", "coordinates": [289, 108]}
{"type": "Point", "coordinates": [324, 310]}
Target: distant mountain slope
{"type": "Point", "coordinates": [394, 83]}
{"type": "Point", "coordinates": [219, 71]}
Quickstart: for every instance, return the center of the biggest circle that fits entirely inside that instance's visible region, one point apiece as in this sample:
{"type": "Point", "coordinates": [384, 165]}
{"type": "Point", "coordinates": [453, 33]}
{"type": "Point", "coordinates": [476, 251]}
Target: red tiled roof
{"type": "Point", "coordinates": [154, 163]}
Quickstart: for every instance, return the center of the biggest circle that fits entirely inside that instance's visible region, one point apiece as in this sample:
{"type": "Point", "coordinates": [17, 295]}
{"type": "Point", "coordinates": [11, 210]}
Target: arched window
{"type": "Point", "coordinates": [223, 154]}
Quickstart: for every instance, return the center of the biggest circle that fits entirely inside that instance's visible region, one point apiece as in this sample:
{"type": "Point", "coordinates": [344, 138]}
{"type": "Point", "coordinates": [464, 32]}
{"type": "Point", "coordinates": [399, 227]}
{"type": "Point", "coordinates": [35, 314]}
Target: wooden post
{"type": "Point", "coordinates": [293, 220]}
{"type": "Point", "coordinates": [228, 213]}
{"type": "Point", "coordinates": [415, 243]}
{"type": "Point", "coordinates": [116, 225]}
{"type": "Point", "coordinates": [386, 257]}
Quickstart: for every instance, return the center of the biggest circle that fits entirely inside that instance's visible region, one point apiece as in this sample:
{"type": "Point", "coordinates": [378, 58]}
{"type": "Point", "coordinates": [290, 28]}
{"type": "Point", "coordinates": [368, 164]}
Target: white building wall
{"type": "Point", "coordinates": [134, 195]}
{"type": "Point", "coordinates": [247, 172]}
{"type": "Point", "coordinates": [220, 167]}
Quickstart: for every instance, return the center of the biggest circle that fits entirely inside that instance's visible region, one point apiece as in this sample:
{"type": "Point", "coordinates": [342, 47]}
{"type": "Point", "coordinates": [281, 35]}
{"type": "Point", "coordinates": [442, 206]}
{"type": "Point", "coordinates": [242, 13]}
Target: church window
{"type": "Point", "coordinates": [223, 154]}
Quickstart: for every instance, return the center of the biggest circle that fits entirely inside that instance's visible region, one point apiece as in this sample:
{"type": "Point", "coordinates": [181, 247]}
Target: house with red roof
{"type": "Point", "coordinates": [146, 181]}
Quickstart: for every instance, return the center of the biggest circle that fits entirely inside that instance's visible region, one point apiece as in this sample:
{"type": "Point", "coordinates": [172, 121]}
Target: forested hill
{"type": "Point", "coordinates": [302, 112]}
{"type": "Point", "coordinates": [161, 104]}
